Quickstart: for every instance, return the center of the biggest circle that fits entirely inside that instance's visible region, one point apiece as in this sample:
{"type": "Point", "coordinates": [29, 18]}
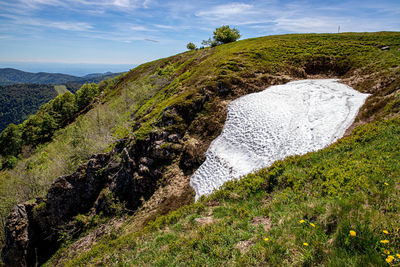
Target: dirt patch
{"type": "Point", "coordinates": [86, 242]}
{"type": "Point", "coordinates": [205, 220]}
{"type": "Point", "coordinates": [244, 246]}
{"type": "Point", "coordinates": [174, 193]}
{"type": "Point", "coordinates": [264, 221]}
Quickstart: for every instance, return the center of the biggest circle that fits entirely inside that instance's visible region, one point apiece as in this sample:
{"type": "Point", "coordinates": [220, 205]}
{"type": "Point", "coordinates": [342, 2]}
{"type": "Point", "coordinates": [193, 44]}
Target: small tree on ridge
{"type": "Point", "coordinates": [225, 34]}
{"type": "Point", "coordinates": [191, 46]}
{"type": "Point", "coordinates": [222, 35]}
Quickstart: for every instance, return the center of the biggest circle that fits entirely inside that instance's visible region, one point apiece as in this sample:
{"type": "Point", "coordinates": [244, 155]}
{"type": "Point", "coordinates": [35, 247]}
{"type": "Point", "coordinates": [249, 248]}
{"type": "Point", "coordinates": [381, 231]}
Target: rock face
{"type": "Point", "coordinates": [15, 251]}
{"type": "Point", "coordinates": [130, 173]}
{"type": "Point", "coordinates": [76, 193]}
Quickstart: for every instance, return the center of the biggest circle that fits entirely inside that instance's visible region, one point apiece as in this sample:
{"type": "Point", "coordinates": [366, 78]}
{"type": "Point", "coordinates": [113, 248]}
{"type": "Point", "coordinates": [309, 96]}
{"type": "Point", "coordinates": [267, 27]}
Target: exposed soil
{"type": "Point", "coordinates": [264, 221]}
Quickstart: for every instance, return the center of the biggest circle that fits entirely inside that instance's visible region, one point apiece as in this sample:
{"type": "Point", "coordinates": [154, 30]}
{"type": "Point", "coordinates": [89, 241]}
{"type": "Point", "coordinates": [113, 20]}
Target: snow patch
{"type": "Point", "coordinates": [283, 120]}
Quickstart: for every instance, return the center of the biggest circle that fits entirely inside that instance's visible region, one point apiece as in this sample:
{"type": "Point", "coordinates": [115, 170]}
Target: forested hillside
{"type": "Point", "coordinates": [122, 196]}
{"type": "Point", "coordinates": [22, 93]}
{"type": "Point", "coordinates": [37, 129]}
{"type": "Point", "coordinates": [13, 76]}
{"type": "Point", "coordinates": [18, 101]}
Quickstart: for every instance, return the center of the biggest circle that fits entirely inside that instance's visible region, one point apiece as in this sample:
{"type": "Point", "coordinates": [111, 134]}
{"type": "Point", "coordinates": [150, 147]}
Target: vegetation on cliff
{"type": "Point", "coordinates": [299, 211]}
{"type": "Point", "coordinates": [186, 95]}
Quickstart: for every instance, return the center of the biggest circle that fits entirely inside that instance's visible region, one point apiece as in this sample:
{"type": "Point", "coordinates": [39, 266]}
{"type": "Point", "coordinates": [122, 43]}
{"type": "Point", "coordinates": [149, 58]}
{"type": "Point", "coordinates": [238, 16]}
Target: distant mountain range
{"type": "Point", "coordinates": [14, 76]}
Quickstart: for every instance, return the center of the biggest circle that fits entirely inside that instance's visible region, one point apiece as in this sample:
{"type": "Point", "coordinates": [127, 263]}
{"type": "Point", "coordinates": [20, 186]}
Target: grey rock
{"type": "Point", "coordinates": [174, 138]}
{"type": "Point", "coordinates": [15, 250]}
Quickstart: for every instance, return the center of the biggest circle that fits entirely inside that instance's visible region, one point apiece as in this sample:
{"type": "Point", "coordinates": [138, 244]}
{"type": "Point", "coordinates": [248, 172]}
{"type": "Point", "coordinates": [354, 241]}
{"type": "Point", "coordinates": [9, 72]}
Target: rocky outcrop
{"type": "Point", "coordinates": [15, 251]}
{"type": "Point", "coordinates": [131, 173]}
{"type": "Point", "coordinates": [33, 228]}
{"type": "Point", "coordinates": [76, 193]}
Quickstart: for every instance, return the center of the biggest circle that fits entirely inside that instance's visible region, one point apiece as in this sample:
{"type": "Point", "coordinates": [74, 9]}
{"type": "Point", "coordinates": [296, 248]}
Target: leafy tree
{"type": "Point", "coordinates": [47, 127]}
{"type": "Point", "coordinates": [85, 95]}
{"type": "Point", "coordinates": [191, 46]}
{"type": "Point", "coordinates": [31, 130]}
{"type": "Point", "coordinates": [210, 42]}
{"type": "Point", "coordinates": [222, 35]}
{"type": "Point", "coordinates": [225, 34]}
{"type": "Point", "coordinates": [9, 162]}
{"type": "Point", "coordinates": [10, 141]}
{"type": "Point", "coordinates": [62, 108]}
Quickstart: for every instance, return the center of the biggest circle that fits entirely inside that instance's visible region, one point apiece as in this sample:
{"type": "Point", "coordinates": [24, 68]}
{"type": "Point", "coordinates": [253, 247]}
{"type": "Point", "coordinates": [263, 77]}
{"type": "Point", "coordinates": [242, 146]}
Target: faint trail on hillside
{"type": "Point", "coordinates": [283, 120]}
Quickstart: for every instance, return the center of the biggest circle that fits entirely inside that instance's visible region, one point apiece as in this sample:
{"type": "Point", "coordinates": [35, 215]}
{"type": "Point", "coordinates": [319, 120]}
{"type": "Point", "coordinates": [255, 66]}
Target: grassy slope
{"type": "Point", "coordinates": [138, 99]}
{"type": "Point", "coordinates": [61, 89]}
{"type": "Point", "coordinates": [352, 185]}
{"type": "Point", "coordinates": [337, 189]}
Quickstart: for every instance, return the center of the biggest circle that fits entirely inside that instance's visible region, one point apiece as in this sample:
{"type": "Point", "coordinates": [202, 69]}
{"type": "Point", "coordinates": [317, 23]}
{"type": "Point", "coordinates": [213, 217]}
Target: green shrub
{"type": "Point", "coordinates": [191, 46]}
{"type": "Point", "coordinates": [225, 34]}
{"type": "Point", "coordinates": [85, 95]}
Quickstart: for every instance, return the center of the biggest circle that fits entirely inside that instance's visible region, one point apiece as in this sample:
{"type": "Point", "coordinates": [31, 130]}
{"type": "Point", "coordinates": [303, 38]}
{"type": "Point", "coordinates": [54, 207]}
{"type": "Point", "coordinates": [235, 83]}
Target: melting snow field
{"type": "Point", "coordinates": [290, 119]}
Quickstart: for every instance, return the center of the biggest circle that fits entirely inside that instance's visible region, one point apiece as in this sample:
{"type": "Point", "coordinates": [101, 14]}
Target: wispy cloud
{"type": "Point", "coordinates": [305, 24]}
{"type": "Point", "coordinates": [62, 25]}
{"type": "Point", "coordinates": [36, 3]}
{"type": "Point", "coordinates": [122, 3]}
{"type": "Point", "coordinates": [95, 6]}
{"type": "Point", "coordinates": [226, 11]}
{"type": "Point", "coordinates": [69, 26]}
{"type": "Point", "coordinates": [167, 27]}
{"type": "Point", "coordinates": [151, 40]}
{"type": "Point", "coordinates": [125, 26]}
{"type": "Point", "coordinates": [146, 3]}
{"type": "Point", "coordinates": [142, 28]}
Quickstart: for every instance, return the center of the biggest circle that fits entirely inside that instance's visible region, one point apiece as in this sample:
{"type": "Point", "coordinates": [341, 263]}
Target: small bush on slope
{"type": "Point", "coordinates": [308, 204]}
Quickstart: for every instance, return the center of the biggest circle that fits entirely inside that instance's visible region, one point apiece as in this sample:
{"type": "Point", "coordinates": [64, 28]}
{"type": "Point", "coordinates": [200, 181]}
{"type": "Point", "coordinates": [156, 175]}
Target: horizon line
{"type": "Point", "coordinates": [67, 62]}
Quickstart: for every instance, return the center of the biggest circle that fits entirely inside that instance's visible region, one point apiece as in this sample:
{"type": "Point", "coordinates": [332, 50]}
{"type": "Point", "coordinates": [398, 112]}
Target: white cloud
{"type": "Point", "coordinates": [70, 26]}
{"type": "Point", "coordinates": [90, 6]}
{"type": "Point", "coordinates": [167, 27]}
{"type": "Point", "coordinates": [227, 11]}
{"type": "Point", "coordinates": [62, 25]}
{"type": "Point", "coordinates": [146, 3]}
{"type": "Point", "coordinates": [142, 28]}
{"type": "Point", "coordinates": [122, 3]}
{"type": "Point", "coordinates": [306, 24]}
{"type": "Point", "coordinates": [36, 3]}
{"type": "Point", "coordinates": [329, 24]}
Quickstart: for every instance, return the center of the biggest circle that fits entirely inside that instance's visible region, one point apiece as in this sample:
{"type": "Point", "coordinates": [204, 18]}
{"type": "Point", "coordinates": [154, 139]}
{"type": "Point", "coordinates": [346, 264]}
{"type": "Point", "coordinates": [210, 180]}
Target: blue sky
{"type": "Point", "coordinates": [136, 31]}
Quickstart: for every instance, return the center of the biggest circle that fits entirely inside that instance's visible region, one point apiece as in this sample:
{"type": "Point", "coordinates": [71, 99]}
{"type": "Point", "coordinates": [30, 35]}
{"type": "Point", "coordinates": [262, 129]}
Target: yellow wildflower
{"type": "Point", "coordinates": [302, 221]}
{"type": "Point", "coordinates": [386, 184]}
{"type": "Point", "coordinates": [384, 241]}
{"type": "Point", "coordinates": [266, 239]}
{"type": "Point", "coordinates": [385, 231]}
{"type": "Point", "coordinates": [387, 252]}
{"type": "Point", "coordinates": [353, 233]}
{"type": "Point", "coordinates": [398, 255]}
{"type": "Point", "coordinates": [305, 244]}
{"type": "Point", "coordinates": [313, 225]}
{"type": "Point", "coordinates": [389, 259]}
